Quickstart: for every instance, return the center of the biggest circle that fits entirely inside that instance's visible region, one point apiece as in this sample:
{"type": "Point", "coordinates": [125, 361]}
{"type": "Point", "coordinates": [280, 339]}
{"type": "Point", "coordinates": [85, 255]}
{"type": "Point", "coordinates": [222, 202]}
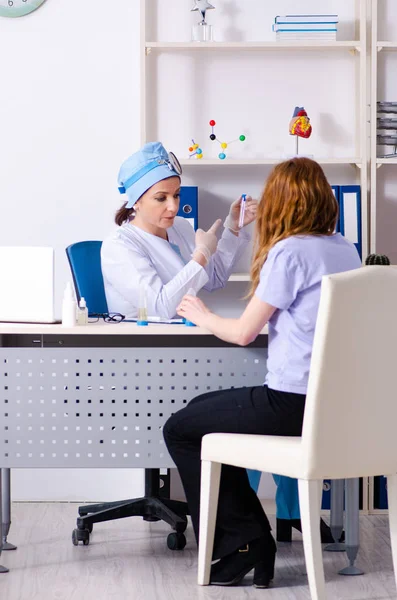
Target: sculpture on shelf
{"type": "Point", "coordinates": [224, 145]}
{"type": "Point", "coordinates": [202, 32]}
{"type": "Point", "coordinates": [202, 6]}
{"type": "Point", "coordinates": [299, 125]}
{"type": "Point", "coordinates": [195, 150]}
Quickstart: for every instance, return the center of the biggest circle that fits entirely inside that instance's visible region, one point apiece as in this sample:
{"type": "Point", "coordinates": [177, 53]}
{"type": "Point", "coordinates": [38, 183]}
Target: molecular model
{"type": "Point", "coordinates": [196, 150]}
{"type": "Point", "coordinates": [223, 145]}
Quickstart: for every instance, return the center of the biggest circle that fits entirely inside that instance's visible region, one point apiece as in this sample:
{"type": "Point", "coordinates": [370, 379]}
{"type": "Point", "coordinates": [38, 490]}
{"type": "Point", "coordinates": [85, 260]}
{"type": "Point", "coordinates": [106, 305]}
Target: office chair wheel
{"type": "Point", "coordinates": [80, 535]}
{"type": "Point", "coordinates": [176, 541]}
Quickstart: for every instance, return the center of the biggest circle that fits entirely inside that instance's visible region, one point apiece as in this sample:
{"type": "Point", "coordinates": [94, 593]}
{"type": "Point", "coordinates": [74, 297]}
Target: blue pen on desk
{"type": "Point", "coordinates": [242, 211]}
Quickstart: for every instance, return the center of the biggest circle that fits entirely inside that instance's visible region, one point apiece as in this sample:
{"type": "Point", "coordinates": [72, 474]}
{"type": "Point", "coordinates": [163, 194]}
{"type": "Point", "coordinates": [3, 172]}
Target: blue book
{"type": "Point", "coordinates": [188, 206]}
{"type": "Point", "coordinates": [350, 214]}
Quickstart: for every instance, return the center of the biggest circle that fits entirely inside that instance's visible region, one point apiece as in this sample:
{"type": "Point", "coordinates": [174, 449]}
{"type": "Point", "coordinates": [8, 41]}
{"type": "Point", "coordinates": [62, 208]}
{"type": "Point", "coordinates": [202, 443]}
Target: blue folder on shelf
{"type": "Point", "coordinates": [380, 492]}
{"type": "Point", "coordinates": [350, 214]}
{"type": "Point", "coordinates": [188, 207]}
{"type": "Point", "coordinates": [335, 189]}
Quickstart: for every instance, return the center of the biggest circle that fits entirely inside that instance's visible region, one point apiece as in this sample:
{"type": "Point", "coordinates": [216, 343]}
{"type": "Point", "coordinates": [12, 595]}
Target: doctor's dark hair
{"type": "Point", "coordinates": [297, 200]}
{"type": "Point", "coordinates": [123, 215]}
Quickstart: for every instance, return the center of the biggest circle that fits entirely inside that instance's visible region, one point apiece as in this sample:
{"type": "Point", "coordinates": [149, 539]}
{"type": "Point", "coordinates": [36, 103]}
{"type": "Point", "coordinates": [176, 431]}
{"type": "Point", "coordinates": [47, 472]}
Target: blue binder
{"type": "Point", "coordinates": [335, 189]}
{"type": "Point", "coordinates": [380, 492]}
{"type": "Point", "coordinates": [350, 214]}
{"type": "Point", "coordinates": [188, 206]}
{"type": "Point", "coordinates": [326, 500]}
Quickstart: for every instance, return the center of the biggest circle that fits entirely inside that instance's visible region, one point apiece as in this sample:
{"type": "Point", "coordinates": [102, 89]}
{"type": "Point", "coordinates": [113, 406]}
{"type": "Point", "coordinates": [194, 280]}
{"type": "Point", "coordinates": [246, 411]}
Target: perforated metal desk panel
{"type": "Point", "coordinates": [98, 396]}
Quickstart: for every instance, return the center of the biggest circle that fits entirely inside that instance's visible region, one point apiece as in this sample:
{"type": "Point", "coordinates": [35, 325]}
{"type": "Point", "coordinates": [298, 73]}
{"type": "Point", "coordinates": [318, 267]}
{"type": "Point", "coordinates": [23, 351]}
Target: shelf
{"type": "Point", "coordinates": [310, 44]}
{"type": "Point", "coordinates": [235, 162]}
{"type": "Point", "coordinates": [239, 277]}
{"type": "Point", "coordinates": [386, 161]}
{"type": "Point", "coordinates": [386, 45]}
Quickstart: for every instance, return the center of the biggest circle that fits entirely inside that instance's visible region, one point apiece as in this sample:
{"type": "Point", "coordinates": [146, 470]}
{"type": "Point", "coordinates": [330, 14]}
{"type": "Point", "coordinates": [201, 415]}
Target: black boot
{"type": "Point", "coordinates": [259, 554]}
{"type": "Point", "coordinates": [284, 531]}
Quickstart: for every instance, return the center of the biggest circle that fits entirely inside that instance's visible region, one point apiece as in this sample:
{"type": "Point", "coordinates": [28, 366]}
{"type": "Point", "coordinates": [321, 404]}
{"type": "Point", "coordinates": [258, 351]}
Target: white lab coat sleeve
{"type": "Point", "coordinates": [229, 250]}
{"type": "Point", "coordinates": [127, 270]}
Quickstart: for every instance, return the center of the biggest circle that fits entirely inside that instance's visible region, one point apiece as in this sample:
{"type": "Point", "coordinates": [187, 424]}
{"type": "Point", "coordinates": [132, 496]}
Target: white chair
{"type": "Point", "coordinates": [351, 398]}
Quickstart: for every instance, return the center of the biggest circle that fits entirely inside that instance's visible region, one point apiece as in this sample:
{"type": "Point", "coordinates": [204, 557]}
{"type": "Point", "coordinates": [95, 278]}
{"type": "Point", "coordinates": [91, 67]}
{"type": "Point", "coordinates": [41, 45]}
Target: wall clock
{"type": "Point", "coordinates": [18, 8]}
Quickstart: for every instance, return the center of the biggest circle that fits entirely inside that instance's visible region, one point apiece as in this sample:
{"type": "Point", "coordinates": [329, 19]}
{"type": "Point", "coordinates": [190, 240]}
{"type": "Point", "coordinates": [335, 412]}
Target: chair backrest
{"type": "Point", "coordinates": [350, 422]}
{"type": "Point", "coordinates": [85, 264]}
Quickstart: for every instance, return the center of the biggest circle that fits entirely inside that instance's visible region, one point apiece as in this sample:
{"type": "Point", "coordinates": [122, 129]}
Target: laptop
{"type": "Point", "coordinates": [27, 284]}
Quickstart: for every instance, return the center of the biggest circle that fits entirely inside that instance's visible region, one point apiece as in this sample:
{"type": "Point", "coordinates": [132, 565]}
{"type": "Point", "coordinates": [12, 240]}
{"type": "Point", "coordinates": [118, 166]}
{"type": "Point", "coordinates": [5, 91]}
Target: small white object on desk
{"type": "Point", "coordinates": [82, 312]}
{"type": "Point", "coordinates": [68, 307]}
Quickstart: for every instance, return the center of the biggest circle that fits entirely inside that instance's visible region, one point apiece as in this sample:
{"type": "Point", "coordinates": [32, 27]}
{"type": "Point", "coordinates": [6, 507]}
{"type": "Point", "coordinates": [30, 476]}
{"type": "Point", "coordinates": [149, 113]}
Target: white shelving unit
{"type": "Point", "coordinates": [377, 47]}
{"type": "Point", "coordinates": [309, 45]}
{"type": "Point", "coordinates": [239, 277]}
{"type": "Point", "coordinates": [358, 47]}
{"type": "Point", "coordinates": [233, 162]}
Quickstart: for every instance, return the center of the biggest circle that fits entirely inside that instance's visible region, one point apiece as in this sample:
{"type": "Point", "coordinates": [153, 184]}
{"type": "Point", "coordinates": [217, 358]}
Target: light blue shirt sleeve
{"type": "Point", "coordinates": [280, 279]}
{"type": "Point", "coordinates": [230, 249]}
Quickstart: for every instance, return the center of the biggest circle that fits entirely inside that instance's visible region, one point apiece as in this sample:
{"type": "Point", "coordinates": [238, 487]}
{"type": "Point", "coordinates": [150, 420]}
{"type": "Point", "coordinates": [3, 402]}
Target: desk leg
{"type": "Point", "coordinates": [352, 494]}
{"type": "Point", "coordinates": [2, 569]}
{"type": "Point", "coordinates": [337, 495]}
{"type": "Point", "coordinates": [6, 508]}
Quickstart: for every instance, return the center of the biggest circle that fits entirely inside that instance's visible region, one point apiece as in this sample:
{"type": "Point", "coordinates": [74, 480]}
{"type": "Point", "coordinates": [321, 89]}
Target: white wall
{"type": "Point", "coordinates": [70, 114]}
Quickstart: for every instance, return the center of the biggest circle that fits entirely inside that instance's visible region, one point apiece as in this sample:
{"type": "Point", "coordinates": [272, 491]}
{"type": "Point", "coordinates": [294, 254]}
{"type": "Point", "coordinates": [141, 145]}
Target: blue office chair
{"type": "Point", "coordinates": [85, 265]}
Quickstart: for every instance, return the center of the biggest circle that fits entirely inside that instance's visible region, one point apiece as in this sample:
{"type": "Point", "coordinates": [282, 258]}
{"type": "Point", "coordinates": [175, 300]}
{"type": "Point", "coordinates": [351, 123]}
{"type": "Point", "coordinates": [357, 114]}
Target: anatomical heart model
{"type": "Point", "coordinates": [300, 125]}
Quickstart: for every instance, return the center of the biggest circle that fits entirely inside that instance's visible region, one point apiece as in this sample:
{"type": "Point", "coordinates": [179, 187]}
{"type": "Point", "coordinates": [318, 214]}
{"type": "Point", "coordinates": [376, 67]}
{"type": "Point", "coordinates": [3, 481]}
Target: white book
{"type": "Point", "coordinates": [303, 40]}
{"type": "Point", "coordinates": [306, 36]}
{"type": "Point", "coordinates": [306, 19]}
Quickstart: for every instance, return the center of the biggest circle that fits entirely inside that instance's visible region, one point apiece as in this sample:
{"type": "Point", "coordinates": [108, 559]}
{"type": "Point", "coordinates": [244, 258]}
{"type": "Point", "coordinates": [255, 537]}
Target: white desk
{"type": "Point", "coordinates": [97, 396]}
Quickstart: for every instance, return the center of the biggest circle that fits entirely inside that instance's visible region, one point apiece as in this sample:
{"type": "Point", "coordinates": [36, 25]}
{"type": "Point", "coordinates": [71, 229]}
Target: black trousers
{"type": "Point", "coordinates": [255, 410]}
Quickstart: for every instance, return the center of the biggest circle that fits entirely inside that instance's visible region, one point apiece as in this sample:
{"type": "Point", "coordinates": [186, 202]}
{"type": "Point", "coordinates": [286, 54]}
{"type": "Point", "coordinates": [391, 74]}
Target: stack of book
{"type": "Point", "coordinates": [386, 134]}
{"type": "Point", "coordinates": [305, 27]}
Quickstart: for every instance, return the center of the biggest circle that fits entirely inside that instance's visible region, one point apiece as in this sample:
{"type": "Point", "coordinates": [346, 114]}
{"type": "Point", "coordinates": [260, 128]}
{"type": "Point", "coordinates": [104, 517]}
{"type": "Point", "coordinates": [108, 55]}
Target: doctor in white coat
{"type": "Point", "coordinates": [155, 250]}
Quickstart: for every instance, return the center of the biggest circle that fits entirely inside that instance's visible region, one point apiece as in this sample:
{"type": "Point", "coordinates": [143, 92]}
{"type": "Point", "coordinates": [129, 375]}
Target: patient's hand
{"type": "Point", "coordinates": [194, 310]}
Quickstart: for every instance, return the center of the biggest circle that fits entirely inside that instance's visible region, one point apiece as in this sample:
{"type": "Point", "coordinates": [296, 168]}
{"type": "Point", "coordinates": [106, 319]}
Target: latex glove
{"type": "Point", "coordinates": [207, 241]}
{"type": "Point", "coordinates": [193, 309]}
{"type": "Point", "coordinates": [233, 218]}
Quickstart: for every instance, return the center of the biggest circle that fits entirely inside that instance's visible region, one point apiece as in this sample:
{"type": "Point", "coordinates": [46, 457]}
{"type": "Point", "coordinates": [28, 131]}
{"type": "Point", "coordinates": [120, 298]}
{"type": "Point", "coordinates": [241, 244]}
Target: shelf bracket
{"type": "Point", "coordinates": [357, 165]}
{"type": "Point", "coordinates": [353, 51]}
{"type": "Point", "coordinates": [148, 51]}
{"type": "Point", "coordinates": [378, 166]}
{"type": "Point", "coordinates": [379, 48]}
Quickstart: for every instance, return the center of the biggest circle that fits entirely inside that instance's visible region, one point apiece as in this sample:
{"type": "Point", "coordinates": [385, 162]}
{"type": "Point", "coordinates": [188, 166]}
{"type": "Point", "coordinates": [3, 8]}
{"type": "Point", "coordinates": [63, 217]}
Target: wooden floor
{"type": "Point", "coordinates": [129, 560]}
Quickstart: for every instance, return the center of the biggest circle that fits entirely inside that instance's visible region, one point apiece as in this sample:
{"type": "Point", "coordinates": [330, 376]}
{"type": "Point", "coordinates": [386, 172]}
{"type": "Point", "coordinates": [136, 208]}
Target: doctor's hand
{"type": "Point", "coordinates": [193, 309]}
{"type": "Point", "coordinates": [206, 243]}
{"type": "Point", "coordinates": [233, 218]}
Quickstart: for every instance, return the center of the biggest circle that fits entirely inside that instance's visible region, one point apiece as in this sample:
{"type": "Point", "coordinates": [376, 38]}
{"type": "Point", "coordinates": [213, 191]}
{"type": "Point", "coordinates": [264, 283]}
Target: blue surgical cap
{"type": "Point", "coordinates": [141, 170]}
